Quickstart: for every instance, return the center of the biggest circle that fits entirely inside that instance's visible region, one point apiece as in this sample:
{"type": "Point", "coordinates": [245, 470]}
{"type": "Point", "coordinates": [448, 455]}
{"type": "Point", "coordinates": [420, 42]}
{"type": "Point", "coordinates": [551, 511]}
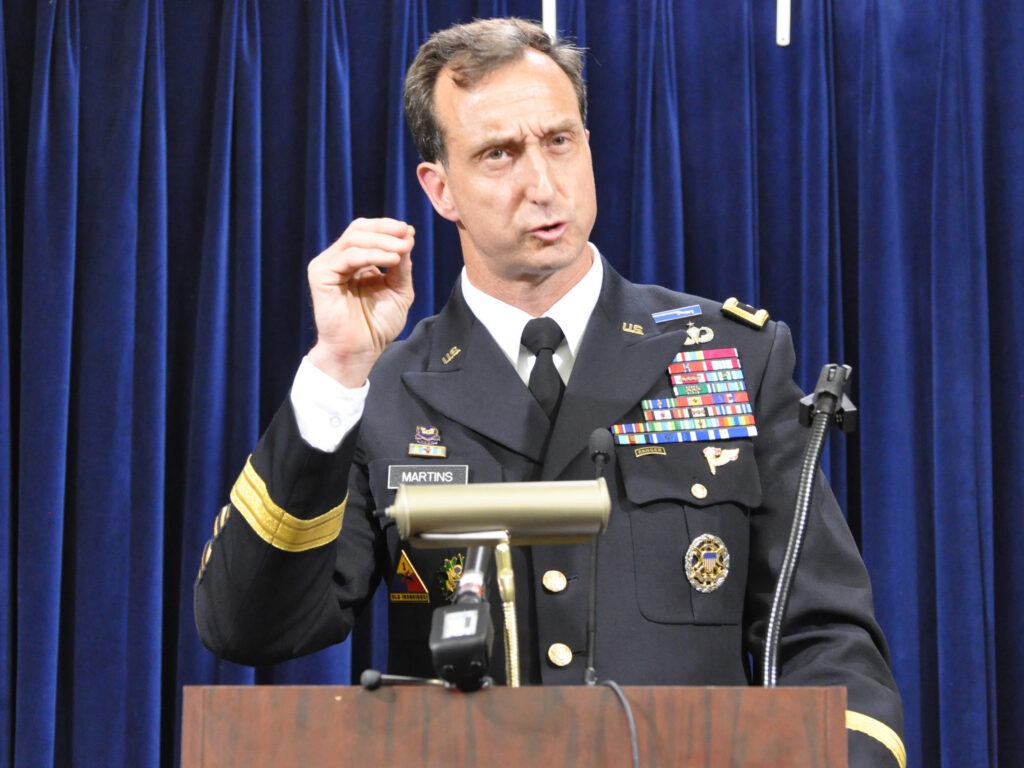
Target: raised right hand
{"type": "Point", "coordinates": [362, 290]}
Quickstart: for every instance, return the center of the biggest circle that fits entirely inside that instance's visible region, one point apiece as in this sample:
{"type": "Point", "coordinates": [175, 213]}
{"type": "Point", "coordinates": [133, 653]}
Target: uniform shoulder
{"type": "Point", "coordinates": [667, 305]}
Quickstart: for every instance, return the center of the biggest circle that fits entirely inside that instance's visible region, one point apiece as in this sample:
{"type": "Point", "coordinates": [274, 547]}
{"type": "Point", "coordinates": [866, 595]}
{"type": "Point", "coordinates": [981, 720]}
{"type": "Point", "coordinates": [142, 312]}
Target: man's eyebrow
{"type": "Point", "coordinates": [501, 139]}
{"type": "Point", "coordinates": [569, 125]}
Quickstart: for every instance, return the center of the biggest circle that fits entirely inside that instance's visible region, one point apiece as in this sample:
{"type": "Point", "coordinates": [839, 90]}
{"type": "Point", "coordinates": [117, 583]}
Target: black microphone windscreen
{"type": "Point", "coordinates": [601, 443]}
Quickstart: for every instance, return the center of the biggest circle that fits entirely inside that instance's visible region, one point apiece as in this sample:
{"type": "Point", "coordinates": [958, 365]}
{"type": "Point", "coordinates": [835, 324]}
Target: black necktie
{"type": "Point", "coordinates": [542, 336]}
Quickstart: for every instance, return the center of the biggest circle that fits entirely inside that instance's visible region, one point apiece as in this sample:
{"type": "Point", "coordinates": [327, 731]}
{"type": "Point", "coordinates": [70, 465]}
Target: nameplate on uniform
{"type": "Point", "coordinates": [427, 474]}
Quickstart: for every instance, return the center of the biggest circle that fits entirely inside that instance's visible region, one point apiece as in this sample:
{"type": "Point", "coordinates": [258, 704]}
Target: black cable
{"type": "Point", "coordinates": [633, 743]}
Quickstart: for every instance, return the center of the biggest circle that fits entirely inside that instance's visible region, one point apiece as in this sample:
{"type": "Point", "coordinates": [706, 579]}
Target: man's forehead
{"type": "Point", "coordinates": [538, 84]}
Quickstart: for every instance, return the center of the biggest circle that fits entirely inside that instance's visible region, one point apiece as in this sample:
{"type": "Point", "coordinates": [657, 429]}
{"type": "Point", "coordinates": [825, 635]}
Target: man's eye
{"type": "Point", "coordinates": [496, 154]}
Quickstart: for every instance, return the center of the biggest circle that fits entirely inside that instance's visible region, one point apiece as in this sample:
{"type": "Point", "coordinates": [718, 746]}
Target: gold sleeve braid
{"type": "Point", "coordinates": [273, 524]}
{"type": "Point", "coordinates": [876, 729]}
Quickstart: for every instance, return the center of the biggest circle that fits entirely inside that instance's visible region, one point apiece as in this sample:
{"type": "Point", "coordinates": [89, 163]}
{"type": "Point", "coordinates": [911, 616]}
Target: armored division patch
{"type": "Point", "coordinates": [407, 586]}
{"type": "Point", "coordinates": [707, 563]}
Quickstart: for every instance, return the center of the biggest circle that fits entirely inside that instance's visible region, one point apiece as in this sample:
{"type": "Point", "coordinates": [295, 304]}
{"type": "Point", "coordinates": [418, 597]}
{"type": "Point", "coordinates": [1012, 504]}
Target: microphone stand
{"type": "Point", "coordinates": [828, 405]}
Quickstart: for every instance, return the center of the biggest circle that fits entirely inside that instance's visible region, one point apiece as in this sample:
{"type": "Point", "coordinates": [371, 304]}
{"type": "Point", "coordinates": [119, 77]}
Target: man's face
{"type": "Point", "coordinates": [519, 181]}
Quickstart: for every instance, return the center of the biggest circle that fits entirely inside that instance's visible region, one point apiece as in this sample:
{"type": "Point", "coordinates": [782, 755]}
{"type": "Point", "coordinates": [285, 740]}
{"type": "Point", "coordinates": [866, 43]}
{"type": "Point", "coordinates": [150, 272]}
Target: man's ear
{"type": "Point", "coordinates": [433, 178]}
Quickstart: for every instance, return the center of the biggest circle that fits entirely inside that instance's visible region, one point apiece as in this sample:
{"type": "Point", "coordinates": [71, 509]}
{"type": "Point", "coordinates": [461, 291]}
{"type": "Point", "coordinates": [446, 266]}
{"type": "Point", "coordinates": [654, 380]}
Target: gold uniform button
{"type": "Point", "coordinates": [554, 581]}
{"type": "Point", "coordinates": [560, 654]}
{"type": "Point", "coordinates": [698, 491]}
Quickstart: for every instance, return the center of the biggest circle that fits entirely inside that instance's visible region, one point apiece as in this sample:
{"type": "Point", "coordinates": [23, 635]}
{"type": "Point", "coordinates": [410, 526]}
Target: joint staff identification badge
{"type": "Point", "coordinates": [707, 563]}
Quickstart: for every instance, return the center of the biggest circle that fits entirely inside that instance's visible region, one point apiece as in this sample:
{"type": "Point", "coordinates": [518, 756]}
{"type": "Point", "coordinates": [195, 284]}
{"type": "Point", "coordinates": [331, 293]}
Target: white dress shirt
{"type": "Point", "coordinates": [325, 409]}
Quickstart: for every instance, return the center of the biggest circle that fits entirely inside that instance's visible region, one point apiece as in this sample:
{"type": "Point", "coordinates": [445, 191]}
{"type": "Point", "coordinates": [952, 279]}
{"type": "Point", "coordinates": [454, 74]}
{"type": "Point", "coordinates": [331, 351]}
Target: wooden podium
{"type": "Point", "coordinates": [312, 726]}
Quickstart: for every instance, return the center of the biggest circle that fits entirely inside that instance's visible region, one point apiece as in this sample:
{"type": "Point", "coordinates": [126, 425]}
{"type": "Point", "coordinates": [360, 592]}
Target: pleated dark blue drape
{"type": "Point", "coordinates": [168, 169]}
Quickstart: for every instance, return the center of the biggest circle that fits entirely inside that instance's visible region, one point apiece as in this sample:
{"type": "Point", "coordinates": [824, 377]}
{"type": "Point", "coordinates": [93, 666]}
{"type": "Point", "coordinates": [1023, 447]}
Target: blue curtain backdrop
{"type": "Point", "coordinates": [167, 169]}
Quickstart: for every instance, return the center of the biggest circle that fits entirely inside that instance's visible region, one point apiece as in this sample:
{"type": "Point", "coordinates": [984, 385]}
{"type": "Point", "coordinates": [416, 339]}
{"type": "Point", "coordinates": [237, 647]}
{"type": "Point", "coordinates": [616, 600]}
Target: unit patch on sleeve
{"type": "Point", "coordinates": [407, 586]}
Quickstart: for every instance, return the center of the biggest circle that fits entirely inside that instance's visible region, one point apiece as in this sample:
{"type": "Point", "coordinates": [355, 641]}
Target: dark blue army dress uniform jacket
{"type": "Point", "coordinates": [300, 551]}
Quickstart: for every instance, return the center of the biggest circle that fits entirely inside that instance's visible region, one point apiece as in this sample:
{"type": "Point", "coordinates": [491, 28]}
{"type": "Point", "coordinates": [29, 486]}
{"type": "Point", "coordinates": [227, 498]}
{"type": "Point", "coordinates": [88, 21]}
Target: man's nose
{"type": "Point", "coordinates": [538, 177]}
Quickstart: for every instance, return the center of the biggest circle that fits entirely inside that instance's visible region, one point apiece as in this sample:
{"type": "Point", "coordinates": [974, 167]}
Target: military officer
{"type": "Point", "coordinates": [699, 396]}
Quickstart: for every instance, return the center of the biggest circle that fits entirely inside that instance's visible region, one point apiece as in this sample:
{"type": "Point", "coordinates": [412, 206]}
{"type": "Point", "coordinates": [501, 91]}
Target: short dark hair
{"type": "Point", "coordinates": [472, 51]}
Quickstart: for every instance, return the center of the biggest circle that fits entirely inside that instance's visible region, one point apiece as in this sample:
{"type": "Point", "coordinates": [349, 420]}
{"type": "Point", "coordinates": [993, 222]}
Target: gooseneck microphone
{"type": "Point", "coordinates": [372, 679]}
{"type": "Point", "coordinates": [601, 446]}
{"type": "Point", "coordinates": [828, 405]}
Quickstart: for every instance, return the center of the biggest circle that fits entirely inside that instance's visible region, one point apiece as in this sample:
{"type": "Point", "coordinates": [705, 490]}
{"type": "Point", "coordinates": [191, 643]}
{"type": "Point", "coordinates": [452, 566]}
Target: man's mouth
{"type": "Point", "coordinates": [549, 233]}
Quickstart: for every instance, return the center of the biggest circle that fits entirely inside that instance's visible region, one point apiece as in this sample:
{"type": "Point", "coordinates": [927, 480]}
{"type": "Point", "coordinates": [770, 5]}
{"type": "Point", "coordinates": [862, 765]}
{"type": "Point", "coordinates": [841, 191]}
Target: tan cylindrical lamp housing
{"type": "Point", "coordinates": [557, 512]}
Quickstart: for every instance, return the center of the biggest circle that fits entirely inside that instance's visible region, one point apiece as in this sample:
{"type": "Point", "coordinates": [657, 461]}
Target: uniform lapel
{"type": "Point", "coordinates": [623, 354]}
{"type": "Point", "coordinates": [471, 382]}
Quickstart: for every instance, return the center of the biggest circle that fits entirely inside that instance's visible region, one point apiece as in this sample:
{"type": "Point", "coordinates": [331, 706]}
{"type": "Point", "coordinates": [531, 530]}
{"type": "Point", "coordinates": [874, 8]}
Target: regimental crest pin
{"type": "Point", "coordinates": [449, 574]}
{"type": "Point", "coordinates": [718, 456]}
{"type": "Point", "coordinates": [707, 563]}
{"type": "Point", "coordinates": [407, 586]}
{"type": "Point", "coordinates": [428, 443]}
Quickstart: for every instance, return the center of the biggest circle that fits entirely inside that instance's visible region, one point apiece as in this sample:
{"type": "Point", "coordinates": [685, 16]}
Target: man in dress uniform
{"type": "Point", "coordinates": [698, 395]}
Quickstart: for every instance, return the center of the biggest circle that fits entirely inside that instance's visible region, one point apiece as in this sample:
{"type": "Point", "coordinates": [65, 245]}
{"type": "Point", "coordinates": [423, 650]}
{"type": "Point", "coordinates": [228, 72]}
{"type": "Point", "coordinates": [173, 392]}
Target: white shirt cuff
{"type": "Point", "coordinates": [325, 409]}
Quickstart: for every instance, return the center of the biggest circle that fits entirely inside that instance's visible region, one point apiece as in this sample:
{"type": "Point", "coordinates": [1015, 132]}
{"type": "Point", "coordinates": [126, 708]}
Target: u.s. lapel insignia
{"type": "Point", "coordinates": [450, 355]}
{"type": "Point", "coordinates": [449, 574]}
{"type": "Point", "coordinates": [634, 328]}
{"type": "Point", "coordinates": [698, 335]}
{"type": "Point", "coordinates": [428, 443]}
{"type": "Point", "coordinates": [707, 563]}
{"type": "Point", "coordinates": [718, 456]}
{"type": "Point", "coordinates": [407, 586]}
